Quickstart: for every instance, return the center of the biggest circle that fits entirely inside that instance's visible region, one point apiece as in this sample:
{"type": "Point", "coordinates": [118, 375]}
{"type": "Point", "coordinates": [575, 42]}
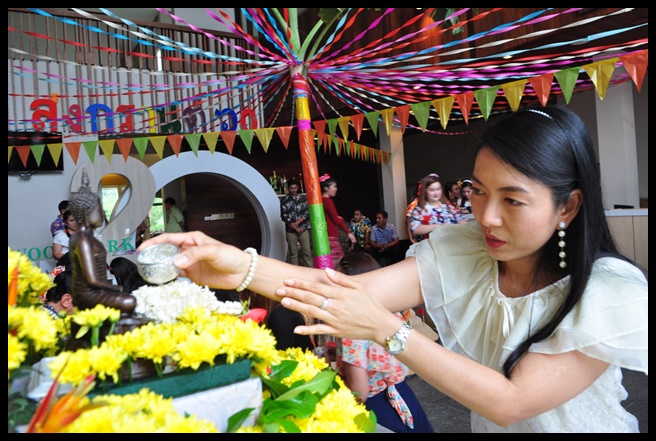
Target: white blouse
{"type": "Point", "coordinates": [459, 281]}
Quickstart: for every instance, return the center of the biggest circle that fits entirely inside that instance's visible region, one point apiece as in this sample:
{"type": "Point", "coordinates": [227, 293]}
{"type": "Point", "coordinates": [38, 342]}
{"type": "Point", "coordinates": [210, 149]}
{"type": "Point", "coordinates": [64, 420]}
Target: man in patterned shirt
{"type": "Point", "coordinates": [296, 216]}
{"type": "Point", "coordinates": [384, 240]}
{"type": "Point", "coordinates": [360, 226]}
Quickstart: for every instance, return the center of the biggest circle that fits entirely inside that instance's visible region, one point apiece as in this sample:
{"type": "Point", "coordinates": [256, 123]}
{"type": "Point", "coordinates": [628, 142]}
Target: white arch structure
{"type": "Point", "coordinates": [251, 182]}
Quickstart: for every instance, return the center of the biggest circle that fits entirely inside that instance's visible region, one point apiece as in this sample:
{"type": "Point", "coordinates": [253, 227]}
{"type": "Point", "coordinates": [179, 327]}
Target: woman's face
{"type": "Point", "coordinates": [466, 193]}
{"type": "Point", "coordinates": [331, 190]}
{"type": "Point", "coordinates": [71, 225]}
{"type": "Point", "coordinates": [515, 214]}
{"type": "Point", "coordinates": [434, 192]}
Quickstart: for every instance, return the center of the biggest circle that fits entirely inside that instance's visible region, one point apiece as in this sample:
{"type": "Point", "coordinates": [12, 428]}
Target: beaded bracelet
{"type": "Point", "coordinates": [251, 270]}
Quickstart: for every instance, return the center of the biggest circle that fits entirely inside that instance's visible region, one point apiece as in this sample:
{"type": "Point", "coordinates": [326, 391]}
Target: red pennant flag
{"type": "Point", "coordinates": [124, 145]}
{"type": "Point", "coordinates": [403, 112]}
{"type": "Point", "coordinates": [73, 149]}
{"type": "Point", "coordinates": [176, 142]}
{"type": "Point", "coordinates": [542, 86]}
{"type": "Point", "coordinates": [284, 133]}
{"type": "Point", "coordinates": [23, 152]}
{"type": "Point", "coordinates": [228, 136]}
{"type": "Point", "coordinates": [636, 66]}
{"type": "Point", "coordinates": [358, 121]}
{"type": "Point", "coordinates": [465, 101]}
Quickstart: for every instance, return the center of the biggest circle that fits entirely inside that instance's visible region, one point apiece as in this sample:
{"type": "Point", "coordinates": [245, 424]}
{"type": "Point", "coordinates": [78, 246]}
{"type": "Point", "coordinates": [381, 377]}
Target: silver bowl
{"type": "Point", "coordinates": [155, 263]}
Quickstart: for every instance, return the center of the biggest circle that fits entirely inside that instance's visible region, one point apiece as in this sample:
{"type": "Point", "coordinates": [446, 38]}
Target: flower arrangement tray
{"type": "Point", "coordinates": [184, 382]}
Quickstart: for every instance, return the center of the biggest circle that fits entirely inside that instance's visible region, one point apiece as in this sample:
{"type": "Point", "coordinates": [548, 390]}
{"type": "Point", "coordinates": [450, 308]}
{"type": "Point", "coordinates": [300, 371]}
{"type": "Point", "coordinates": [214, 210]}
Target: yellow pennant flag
{"type": "Point", "coordinates": [600, 74]}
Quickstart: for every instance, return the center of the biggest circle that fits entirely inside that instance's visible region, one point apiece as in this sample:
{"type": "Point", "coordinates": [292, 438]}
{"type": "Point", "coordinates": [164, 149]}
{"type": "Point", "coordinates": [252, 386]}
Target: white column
{"type": "Point", "coordinates": [393, 178]}
{"type": "Point", "coordinates": [616, 137]}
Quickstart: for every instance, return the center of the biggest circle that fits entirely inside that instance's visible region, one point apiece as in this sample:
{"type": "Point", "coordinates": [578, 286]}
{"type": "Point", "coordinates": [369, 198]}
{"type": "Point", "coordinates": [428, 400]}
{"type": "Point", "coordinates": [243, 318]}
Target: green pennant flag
{"type": "Point", "coordinates": [421, 111]}
{"type": "Point", "coordinates": [247, 138]}
{"type": "Point", "coordinates": [372, 119]}
{"type": "Point", "coordinates": [567, 80]}
{"type": "Point", "coordinates": [485, 99]}
{"type": "Point", "coordinates": [37, 151]}
{"type": "Point", "coordinates": [332, 126]}
{"type": "Point", "coordinates": [194, 140]}
{"type": "Point", "coordinates": [141, 143]}
{"type": "Point", "coordinates": [90, 148]}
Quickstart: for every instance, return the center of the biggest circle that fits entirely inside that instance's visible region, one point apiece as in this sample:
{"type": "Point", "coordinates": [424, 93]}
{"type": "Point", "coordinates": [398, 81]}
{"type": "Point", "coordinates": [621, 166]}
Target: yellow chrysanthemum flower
{"type": "Point", "coordinates": [16, 352]}
{"type": "Point", "coordinates": [32, 282]}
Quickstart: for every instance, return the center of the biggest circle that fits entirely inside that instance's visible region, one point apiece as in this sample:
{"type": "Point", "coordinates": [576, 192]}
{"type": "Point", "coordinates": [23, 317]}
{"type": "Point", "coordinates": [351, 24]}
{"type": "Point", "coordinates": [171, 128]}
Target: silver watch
{"type": "Point", "coordinates": [396, 343]}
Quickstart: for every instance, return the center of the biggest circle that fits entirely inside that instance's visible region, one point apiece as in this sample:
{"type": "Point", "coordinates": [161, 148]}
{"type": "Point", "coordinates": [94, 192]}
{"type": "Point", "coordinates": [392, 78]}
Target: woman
{"type": "Point", "coordinates": [376, 377]}
{"type": "Point", "coordinates": [535, 331]}
{"type": "Point", "coordinates": [62, 237]}
{"type": "Point", "coordinates": [433, 209]}
{"type": "Point", "coordinates": [466, 190]}
{"type": "Point", "coordinates": [333, 220]}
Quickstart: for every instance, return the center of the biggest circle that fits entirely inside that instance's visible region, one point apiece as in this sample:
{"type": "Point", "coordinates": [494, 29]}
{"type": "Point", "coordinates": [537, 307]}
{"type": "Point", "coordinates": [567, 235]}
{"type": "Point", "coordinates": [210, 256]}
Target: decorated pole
{"type": "Point", "coordinates": [320, 243]}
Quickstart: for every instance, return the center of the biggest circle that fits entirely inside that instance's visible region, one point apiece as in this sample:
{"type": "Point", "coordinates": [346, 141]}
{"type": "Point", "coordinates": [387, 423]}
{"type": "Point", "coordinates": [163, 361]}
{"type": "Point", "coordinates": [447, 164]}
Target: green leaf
{"type": "Point", "coordinates": [320, 384]}
{"type": "Point", "coordinates": [275, 387]}
{"type": "Point", "coordinates": [366, 424]}
{"type": "Point", "coordinates": [328, 15]}
{"type": "Point", "coordinates": [236, 420]}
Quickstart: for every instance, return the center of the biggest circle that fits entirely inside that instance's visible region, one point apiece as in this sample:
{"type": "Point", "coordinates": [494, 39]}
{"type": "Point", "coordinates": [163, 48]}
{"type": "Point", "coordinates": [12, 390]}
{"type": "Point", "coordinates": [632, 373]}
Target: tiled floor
{"type": "Point", "coordinates": [448, 416]}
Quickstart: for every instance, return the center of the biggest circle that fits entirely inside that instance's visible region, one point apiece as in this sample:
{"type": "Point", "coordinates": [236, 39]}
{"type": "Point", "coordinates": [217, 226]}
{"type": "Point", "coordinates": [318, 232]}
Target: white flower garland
{"type": "Point", "coordinates": [165, 303]}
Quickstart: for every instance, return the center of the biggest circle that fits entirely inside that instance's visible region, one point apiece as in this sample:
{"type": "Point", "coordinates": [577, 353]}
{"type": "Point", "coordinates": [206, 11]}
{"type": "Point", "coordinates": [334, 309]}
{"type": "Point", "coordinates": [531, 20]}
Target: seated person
{"type": "Point", "coordinates": [360, 226]}
{"type": "Point", "coordinates": [384, 240]}
{"type": "Point", "coordinates": [282, 322]}
{"type": "Point", "coordinates": [58, 299]}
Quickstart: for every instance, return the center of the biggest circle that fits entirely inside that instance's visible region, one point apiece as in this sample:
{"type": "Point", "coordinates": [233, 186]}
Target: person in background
{"type": "Point", "coordinates": [333, 220]}
{"type": "Point", "coordinates": [62, 238]}
{"type": "Point", "coordinates": [453, 193]}
{"type": "Point", "coordinates": [433, 209]}
{"type": "Point", "coordinates": [466, 189]}
{"type": "Point", "coordinates": [408, 212]}
{"type": "Point", "coordinates": [58, 299]}
{"type": "Point", "coordinates": [58, 224]}
{"type": "Point", "coordinates": [282, 322]}
{"type": "Point", "coordinates": [537, 310]}
{"type": "Point", "coordinates": [296, 217]}
{"type": "Point", "coordinates": [122, 268]}
{"type": "Point", "coordinates": [384, 240]}
{"type": "Point", "coordinates": [376, 378]}
{"type": "Point", "coordinates": [174, 217]}
{"type": "Point", "coordinates": [360, 226]}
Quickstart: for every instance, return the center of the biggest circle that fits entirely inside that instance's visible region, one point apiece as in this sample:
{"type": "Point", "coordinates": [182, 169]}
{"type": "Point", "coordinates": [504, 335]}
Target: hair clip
{"type": "Point", "coordinates": [324, 178]}
{"type": "Point", "coordinates": [540, 112]}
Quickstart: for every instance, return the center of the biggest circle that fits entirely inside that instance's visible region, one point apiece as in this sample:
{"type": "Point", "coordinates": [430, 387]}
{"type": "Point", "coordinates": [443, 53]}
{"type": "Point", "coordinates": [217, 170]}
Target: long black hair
{"type": "Point", "coordinates": [552, 146]}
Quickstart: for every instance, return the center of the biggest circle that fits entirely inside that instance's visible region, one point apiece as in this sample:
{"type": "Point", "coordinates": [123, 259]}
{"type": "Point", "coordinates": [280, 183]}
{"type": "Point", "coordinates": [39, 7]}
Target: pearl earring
{"type": "Point", "coordinates": [561, 244]}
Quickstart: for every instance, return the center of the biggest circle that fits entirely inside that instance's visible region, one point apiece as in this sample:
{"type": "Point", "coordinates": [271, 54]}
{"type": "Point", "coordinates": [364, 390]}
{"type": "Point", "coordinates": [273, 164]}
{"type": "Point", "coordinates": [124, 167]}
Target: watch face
{"type": "Point", "coordinates": [395, 346]}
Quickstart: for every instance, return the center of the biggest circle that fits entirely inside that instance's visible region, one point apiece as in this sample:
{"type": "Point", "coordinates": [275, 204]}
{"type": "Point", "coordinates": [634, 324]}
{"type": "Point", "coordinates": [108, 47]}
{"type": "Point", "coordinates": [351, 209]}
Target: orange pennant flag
{"type": "Point", "coordinates": [73, 149]}
{"type": "Point", "coordinates": [284, 132]}
{"type": "Point", "coordinates": [636, 66]}
{"type": "Point", "coordinates": [514, 92]}
{"type": "Point", "coordinates": [124, 145]}
{"type": "Point", "coordinates": [542, 86]}
{"type": "Point", "coordinates": [600, 73]}
{"type": "Point", "coordinates": [465, 101]}
{"type": "Point", "coordinates": [403, 112]}
{"type": "Point", "coordinates": [358, 122]}
{"type": "Point", "coordinates": [24, 153]}
{"type": "Point", "coordinates": [176, 142]}
{"type": "Point", "coordinates": [228, 136]}
{"type": "Point", "coordinates": [443, 107]}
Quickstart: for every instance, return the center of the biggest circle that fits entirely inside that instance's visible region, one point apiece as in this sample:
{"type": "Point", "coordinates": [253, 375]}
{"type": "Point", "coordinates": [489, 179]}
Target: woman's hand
{"type": "Point", "coordinates": [205, 260]}
{"type": "Point", "coordinates": [351, 311]}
